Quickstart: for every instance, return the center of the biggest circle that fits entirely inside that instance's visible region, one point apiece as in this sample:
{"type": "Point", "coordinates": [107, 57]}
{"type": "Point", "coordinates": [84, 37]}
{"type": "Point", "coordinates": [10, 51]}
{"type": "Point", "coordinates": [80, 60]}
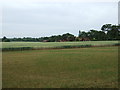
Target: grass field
{"type": "Point", "coordinates": [64, 68]}
{"type": "Point", "coordinates": [53, 44]}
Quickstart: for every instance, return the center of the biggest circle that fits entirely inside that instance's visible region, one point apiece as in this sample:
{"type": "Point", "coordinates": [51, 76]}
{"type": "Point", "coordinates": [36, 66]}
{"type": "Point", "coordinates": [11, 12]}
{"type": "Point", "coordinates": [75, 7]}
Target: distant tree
{"type": "Point", "coordinates": [68, 37]}
{"type": "Point", "coordinates": [106, 27]}
{"type": "Point", "coordinates": [52, 38]}
{"type": "Point", "coordinates": [108, 32]}
{"type": "Point", "coordinates": [79, 35]}
{"type": "Point", "coordinates": [77, 39]}
{"type": "Point", "coordinates": [96, 35]}
{"type": "Point", "coordinates": [114, 33]}
{"type": "Point", "coordinates": [101, 35]}
{"type": "Point", "coordinates": [59, 38]}
{"type": "Point", "coordinates": [4, 39]}
{"type": "Point", "coordinates": [84, 34]}
{"type": "Point", "coordinates": [92, 34]}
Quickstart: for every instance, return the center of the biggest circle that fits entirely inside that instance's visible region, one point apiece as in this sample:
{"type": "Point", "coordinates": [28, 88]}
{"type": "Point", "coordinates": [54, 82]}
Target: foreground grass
{"type": "Point", "coordinates": [65, 68]}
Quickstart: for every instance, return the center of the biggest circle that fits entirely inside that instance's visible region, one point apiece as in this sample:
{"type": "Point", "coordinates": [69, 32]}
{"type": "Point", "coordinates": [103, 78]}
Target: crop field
{"type": "Point", "coordinates": [53, 44]}
{"type": "Point", "coordinates": [64, 68]}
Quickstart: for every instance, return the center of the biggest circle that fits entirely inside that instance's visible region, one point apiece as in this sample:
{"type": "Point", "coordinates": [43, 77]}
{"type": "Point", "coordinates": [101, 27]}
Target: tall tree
{"type": "Point", "coordinates": [79, 33]}
{"type": "Point", "coordinates": [114, 33]}
{"type": "Point", "coordinates": [106, 27]}
{"type": "Point", "coordinates": [4, 39]}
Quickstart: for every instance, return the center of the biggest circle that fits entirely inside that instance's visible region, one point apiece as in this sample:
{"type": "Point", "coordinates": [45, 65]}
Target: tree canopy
{"type": "Point", "coordinates": [107, 32]}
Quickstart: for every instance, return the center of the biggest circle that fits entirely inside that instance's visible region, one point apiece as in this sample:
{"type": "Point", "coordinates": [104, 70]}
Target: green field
{"type": "Point", "coordinates": [64, 68]}
{"type": "Point", "coordinates": [53, 44]}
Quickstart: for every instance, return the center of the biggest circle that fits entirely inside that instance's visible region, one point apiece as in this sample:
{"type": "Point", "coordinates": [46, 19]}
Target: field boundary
{"type": "Point", "coordinates": [57, 47]}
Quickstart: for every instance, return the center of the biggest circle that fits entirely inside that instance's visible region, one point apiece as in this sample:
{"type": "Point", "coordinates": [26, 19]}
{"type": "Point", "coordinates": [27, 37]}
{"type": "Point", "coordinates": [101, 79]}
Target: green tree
{"type": "Point", "coordinates": [68, 37]}
{"type": "Point", "coordinates": [114, 33]}
{"type": "Point", "coordinates": [106, 27]}
{"type": "Point", "coordinates": [79, 35]}
{"type": "Point", "coordinates": [4, 39]}
{"type": "Point", "coordinates": [96, 35]}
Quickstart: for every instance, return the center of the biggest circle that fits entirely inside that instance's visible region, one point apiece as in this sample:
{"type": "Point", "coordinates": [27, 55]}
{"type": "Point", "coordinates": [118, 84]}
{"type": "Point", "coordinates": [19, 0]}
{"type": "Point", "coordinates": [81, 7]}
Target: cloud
{"type": "Point", "coordinates": [44, 18]}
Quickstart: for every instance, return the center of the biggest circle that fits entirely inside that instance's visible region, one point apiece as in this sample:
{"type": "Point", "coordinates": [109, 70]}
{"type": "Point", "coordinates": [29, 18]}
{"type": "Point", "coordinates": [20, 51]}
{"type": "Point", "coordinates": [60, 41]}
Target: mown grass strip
{"type": "Point", "coordinates": [57, 47]}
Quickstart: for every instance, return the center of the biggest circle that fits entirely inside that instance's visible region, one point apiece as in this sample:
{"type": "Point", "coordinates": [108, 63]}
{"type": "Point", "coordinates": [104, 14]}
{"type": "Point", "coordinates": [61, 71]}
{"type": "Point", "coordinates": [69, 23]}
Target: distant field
{"type": "Point", "coordinates": [64, 68]}
{"type": "Point", "coordinates": [53, 44]}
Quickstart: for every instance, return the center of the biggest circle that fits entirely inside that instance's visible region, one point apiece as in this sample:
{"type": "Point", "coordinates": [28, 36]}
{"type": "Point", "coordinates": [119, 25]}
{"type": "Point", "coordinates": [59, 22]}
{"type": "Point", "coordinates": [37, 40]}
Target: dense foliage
{"type": "Point", "coordinates": [108, 32]}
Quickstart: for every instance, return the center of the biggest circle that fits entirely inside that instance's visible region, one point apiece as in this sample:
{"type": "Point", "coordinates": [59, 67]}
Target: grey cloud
{"type": "Point", "coordinates": [49, 18]}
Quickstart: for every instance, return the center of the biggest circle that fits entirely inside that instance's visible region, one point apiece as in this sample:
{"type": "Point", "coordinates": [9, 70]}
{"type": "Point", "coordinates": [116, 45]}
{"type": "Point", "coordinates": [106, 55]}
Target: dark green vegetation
{"type": "Point", "coordinates": [64, 68]}
{"type": "Point", "coordinates": [108, 32]}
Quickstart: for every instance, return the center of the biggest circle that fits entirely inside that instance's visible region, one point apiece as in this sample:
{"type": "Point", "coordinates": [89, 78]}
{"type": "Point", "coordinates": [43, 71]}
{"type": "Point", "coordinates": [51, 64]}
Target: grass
{"type": "Point", "coordinates": [53, 44]}
{"type": "Point", "coordinates": [64, 68]}
{"type": "Point", "coordinates": [20, 46]}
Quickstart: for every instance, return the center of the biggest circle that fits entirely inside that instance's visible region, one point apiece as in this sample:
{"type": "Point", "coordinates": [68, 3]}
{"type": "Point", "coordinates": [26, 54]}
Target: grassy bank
{"type": "Point", "coordinates": [65, 68]}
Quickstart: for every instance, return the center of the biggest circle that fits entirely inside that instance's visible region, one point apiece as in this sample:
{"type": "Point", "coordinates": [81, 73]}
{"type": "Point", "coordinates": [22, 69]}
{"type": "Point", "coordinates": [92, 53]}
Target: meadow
{"type": "Point", "coordinates": [53, 44]}
{"type": "Point", "coordinates": [64, 68]}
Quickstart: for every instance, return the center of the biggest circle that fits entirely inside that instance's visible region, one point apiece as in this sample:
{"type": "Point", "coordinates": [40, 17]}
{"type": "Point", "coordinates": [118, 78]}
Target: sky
{"type": "Point", "coordinates": [40, 18]}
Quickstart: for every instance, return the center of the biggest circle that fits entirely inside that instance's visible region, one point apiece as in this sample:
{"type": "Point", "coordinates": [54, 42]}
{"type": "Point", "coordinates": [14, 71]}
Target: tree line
{"type": "Point", "coordinates": [107, 32]}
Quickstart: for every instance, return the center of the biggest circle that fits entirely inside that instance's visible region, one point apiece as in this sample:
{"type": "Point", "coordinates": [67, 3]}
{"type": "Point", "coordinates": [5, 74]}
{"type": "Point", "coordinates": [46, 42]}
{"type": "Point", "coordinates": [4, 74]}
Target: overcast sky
{"type": "Point", "coordinates": [32, 18]}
